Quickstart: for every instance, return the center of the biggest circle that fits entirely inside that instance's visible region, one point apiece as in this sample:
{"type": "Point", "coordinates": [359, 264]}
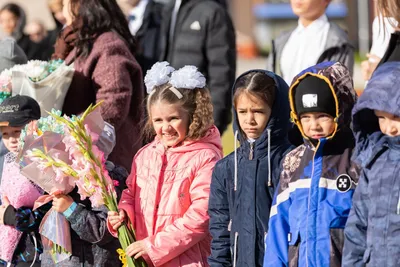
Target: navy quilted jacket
{"type": "Point", "coordinates": [372, 232]}
{"type": "Point", "coordinates": [239, 217]}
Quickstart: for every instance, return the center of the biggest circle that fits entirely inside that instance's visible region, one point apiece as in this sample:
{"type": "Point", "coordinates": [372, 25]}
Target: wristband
{"type": "Point", "coordinates": [68, 212]}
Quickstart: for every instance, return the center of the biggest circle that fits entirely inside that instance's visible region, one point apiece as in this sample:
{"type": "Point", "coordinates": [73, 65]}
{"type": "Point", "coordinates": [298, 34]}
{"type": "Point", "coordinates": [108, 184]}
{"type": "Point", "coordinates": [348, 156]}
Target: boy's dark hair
{"type": "Point", "coordinates": [18, 111]}
{"type": "Point", "coordinates": [256, 84]}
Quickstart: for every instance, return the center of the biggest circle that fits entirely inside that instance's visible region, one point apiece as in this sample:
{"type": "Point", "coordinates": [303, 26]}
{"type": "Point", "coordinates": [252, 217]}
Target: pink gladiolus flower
{"type": "Point", "coordinates": [93, 135]}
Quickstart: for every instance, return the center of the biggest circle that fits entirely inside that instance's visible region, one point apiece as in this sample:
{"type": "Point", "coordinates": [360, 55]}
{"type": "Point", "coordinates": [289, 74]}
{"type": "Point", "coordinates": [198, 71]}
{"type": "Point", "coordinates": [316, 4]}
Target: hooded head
{"type": "Point", "coordinates": [380, 94]}
{"type": "Point", "coordinates": [277, 126]}
{"type": "Point", "coordinates": [326, 87]}
{"type": "Point", "coordinates": [11, 54]}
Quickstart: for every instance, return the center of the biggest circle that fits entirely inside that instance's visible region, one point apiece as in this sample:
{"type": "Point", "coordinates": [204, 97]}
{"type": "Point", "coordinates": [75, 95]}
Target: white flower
{"type": "Point", "coordinates": [157, 75]}
{"type": "Point", "coordinates": [188, 77]}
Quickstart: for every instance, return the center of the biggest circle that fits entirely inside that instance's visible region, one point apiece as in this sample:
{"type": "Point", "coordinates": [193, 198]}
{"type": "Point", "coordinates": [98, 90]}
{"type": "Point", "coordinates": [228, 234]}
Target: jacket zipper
{"type": "Point", "coordinates": [309, 197]}
{"type": "Point", "coordinates": [251, 155]}
{"type": "Point", "coordinates": [159, 188]}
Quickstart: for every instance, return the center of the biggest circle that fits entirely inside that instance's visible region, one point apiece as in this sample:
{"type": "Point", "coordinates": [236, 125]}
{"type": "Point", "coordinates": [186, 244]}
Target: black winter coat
{"type": "Point", "coordinates": [204, 36]}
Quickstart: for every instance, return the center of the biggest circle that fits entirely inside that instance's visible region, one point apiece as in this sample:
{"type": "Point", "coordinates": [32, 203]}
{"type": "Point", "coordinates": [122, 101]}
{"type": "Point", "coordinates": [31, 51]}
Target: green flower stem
{"type": "Point", "coordinates": [126, 235]}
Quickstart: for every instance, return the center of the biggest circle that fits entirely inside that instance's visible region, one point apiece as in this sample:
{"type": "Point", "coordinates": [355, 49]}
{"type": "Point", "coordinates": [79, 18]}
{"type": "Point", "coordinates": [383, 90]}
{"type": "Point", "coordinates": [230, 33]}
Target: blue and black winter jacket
{"type": "Point", "coordinates": [372, 234]}
{"type": "Point", "coordinates": [243, 185]}
{"type": "Point", "coordinates": [316, 186]}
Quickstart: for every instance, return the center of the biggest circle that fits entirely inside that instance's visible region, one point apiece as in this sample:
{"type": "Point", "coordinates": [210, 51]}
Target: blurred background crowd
{"type": "Point", "coordinates": [36, 25]}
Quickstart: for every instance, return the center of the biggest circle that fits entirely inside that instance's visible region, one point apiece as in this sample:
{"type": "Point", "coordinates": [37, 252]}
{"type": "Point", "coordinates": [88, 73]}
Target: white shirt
{"type": "Point", "coordinates": [381, 30]}
{"type": "Point", "coordinates": [136, 16]}
{"type": "Point", "coordinates": [173, 19]}
{"type": "Point", "coordinates": [304, 47]}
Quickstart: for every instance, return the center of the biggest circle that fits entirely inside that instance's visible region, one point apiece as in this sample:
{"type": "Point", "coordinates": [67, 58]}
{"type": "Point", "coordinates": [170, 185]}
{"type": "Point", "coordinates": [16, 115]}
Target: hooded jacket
{"type": "Point", "coordinates": [313, 200]}
{"type": "Point", "coordinates": [243, 186]}
{"type": "Point", "coordinates": [167, 200]}
{"type": "Point", "coordinates": [372, 230]}
{"type": "Point", "coordinates": [337, 48]}
{"type": "Point", "coordinates": [204, 36]}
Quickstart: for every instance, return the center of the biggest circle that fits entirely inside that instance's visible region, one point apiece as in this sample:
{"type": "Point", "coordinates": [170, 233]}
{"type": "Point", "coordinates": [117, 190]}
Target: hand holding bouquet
{"type": "Point", "coordinates": [86, 166]}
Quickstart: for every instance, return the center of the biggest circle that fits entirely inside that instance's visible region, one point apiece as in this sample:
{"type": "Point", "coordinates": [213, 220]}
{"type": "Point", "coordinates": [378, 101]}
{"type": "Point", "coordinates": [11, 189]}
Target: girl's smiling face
{"type": "Point", "coordinates": [170, 123]}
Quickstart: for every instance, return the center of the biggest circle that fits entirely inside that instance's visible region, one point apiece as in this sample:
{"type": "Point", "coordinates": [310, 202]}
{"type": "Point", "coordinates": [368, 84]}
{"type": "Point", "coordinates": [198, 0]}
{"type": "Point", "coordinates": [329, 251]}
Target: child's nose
{"type": "Point", "coordinates": [393, 130]}
{"type": "Point", "coordinates": [166, 126]}
{"type": "Point", "coordinates": [250, 117]}
{"type": "Point", "coordinates": [314, 124]}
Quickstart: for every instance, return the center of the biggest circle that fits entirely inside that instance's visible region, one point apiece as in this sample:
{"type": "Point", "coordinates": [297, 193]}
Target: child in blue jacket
{"type": "Point", "coordinates": [372, 232]}
{"type": "Point", "coordinates": [243, 183]}
{"type": "Point", "coordinates": [317, 182]}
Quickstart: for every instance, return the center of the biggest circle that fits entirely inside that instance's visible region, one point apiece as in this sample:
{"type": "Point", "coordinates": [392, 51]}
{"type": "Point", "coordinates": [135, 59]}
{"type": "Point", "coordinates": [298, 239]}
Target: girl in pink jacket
{"type": "Point", "coordinates": [169, 184]}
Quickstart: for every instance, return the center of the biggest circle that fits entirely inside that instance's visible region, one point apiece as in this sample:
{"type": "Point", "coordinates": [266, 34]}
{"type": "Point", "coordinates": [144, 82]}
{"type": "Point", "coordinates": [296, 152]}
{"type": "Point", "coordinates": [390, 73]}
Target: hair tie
{"type": "Point", "coordinates": [188, 77]}
{"type": "Point", "coordinates": [157, 75]}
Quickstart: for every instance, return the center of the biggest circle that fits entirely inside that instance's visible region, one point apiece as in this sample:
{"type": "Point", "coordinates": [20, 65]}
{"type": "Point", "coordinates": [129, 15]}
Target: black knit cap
{"type": "Point", "coordinates": [313, 94]}
{"type": "Point", "coordinates": [18, 111]}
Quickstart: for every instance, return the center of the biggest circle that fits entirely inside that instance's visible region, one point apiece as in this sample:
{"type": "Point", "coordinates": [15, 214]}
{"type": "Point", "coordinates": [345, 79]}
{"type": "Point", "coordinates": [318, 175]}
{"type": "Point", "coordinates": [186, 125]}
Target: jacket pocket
{"type": "Point", "coordinates": [294, 248]}
{"type": "Point", "coordinates": [336, 248]}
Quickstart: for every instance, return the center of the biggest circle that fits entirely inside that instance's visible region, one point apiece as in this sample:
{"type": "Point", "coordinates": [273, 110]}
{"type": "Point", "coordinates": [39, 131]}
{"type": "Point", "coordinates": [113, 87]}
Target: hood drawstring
{"type": "Point", "coordinates": [236, 163]}
{"type": "Point", "coordinates": [235, 188]}
{"type": "Point", "coordinates": [269, 157]}
{"type": "Point", "coordinates": [36, 249]}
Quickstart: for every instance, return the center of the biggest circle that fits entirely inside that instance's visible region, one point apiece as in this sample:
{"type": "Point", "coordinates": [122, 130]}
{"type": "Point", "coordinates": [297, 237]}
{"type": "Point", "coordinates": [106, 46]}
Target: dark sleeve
{"type": "Point", "coordinates": [218, 210]}
{"type": "Point", "coordinates": [221, 57]}
{"type": "Point", "coordinates": [355, 233]}
{"type": "Point", "coordinates": [90, 225]}
{"type": "Point", "coordinates": [271, 58]}
{"type": "Point", "coordinates": [25, 219]}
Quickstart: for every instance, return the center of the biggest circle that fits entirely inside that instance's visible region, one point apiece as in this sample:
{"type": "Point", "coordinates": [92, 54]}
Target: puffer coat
{"type": "Point", "coordinates": [167, 200]}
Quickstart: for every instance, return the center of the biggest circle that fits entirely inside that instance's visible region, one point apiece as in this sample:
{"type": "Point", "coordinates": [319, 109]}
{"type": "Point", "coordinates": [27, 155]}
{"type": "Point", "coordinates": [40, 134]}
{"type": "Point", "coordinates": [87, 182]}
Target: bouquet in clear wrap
{"type": "Point", "coordinates": [86, 164]}
{"type": "Point", "coordinates": [46, 135]}
{"type": "Point", "coordinates": [46, 82]}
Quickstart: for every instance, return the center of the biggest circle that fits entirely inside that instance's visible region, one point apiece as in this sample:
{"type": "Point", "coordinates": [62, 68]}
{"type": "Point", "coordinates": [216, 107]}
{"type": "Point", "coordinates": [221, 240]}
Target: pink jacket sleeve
{"type": "Point", "coordinates": [191, 228]}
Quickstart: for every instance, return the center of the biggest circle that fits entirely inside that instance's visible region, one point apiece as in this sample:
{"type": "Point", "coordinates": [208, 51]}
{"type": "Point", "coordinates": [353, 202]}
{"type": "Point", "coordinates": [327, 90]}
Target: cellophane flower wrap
{"type": "Point", "coordinates": [46, 135]}
{"type": "Point", "coordinates": [45, 81]}
{"type": "Point", "coordinates": [87, 166]}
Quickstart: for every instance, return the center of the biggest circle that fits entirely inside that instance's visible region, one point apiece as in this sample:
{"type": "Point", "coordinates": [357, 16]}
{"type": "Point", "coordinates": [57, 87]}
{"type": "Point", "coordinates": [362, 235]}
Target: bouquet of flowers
{"type": "Point", "coordinates": [46, 135]}
{"type": "Point", "coordinates": [87, 167]}
{"type": "Point", "coordinates": [46, 82]}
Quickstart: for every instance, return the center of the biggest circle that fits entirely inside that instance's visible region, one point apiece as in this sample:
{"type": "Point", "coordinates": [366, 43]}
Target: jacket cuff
{"type": "Point", "coordinates": [149, 251]}
{"type": "Point", "coordinates": [111, 230]}
{"type": "Point", "coordinates": [68, 212]}
{"type": "Point", "coordinates": [75, 214]}
{"type": "Point", "coordinates": [9, 216]}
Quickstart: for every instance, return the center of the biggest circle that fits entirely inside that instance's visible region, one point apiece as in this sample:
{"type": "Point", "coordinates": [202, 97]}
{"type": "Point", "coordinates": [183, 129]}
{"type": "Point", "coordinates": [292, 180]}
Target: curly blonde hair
{"type": "Point", "coordinates": [197, 103]}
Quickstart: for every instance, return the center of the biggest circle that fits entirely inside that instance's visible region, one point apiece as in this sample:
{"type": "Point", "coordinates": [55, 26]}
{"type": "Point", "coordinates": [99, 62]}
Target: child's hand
{"type": "Point", "coordinates": [61, 202]}
{"type": "Point", "coordinates": [137, 249]}
{"type": "Point", "coordinates": [116, 219]}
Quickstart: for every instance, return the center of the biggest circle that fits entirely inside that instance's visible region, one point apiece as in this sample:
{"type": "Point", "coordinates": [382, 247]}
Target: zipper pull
{"type": "Point", "coordinates": [251, 151]}
{"type": "Point", "coordinates": [398, 206]}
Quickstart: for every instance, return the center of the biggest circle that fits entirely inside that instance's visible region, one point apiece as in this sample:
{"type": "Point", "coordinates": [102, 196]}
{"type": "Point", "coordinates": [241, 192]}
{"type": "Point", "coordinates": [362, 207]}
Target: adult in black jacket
{"type": "Point", "coordinates": [203, 36]}
{"type": "Point", "coordinates": [148, 36]}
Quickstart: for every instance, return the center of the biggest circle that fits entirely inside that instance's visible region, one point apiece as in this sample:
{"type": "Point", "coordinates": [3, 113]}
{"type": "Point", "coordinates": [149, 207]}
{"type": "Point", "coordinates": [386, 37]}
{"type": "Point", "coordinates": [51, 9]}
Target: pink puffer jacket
{"type": "Point", "coordinates": [167, 200]}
